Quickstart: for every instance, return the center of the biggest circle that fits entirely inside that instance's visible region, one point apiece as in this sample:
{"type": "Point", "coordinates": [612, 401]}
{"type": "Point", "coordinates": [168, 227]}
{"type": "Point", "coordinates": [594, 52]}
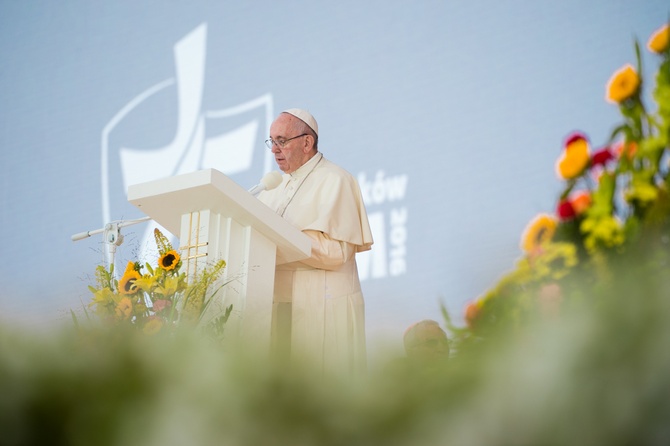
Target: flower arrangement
{"type": "Point", "coordinates": [614, 198]}
{"type": "Point", "coordinates": [160, 298]}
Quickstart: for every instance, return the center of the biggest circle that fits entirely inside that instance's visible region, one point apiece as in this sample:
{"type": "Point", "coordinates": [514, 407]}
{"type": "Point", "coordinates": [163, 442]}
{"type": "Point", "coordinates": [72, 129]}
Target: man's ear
{"type": "Point", "coordinates": [309, 144]}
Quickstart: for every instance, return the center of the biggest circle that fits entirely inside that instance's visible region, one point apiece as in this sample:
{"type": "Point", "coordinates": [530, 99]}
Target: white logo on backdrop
{"type": "Point", "coordinates": [389, 227]}
{"type": "Point", "coordinates": [230, 152]}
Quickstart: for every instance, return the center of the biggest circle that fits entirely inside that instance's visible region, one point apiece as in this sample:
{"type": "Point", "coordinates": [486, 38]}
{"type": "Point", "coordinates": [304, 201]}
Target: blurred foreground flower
{"type": "Point", "coordinates": [575, 156]}
{"type": "Point", "coordinates": [602, 157]}
{"type": "Point", "coordinates": [623, 84]}
{"type": "Point", "coordinates": [658, 42]}
{"type": "Point", "coordinates": [539, 231]}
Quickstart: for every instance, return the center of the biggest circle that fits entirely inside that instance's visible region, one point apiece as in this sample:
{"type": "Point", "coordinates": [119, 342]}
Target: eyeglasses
{"type": "Point", "coordinates": [280, 142]}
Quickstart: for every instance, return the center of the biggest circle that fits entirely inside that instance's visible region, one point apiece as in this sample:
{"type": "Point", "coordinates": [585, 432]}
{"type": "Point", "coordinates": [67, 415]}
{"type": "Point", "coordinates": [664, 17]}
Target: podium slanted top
{"type": "Point", "coordinates": [167, 199]}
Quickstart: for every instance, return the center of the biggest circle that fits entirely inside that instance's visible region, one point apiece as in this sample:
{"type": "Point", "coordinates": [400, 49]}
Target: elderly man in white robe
{"type": "Point", "coordinates": [318, 311]}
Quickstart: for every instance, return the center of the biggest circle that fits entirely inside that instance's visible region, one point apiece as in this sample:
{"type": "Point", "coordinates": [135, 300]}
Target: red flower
{"type": "Point", "coordinates": [565, 210]}
{"type": "Point", "coordinates": [161, 304]}
{"type": "Point", "coordinates": [574, 137]}
{"type": "Point", "coordinates": [601, 157]}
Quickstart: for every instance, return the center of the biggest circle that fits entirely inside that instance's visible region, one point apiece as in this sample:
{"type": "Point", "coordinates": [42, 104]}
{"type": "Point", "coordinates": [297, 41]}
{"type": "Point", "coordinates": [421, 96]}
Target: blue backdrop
{"type": "Point", "coordinates": [451, 114]}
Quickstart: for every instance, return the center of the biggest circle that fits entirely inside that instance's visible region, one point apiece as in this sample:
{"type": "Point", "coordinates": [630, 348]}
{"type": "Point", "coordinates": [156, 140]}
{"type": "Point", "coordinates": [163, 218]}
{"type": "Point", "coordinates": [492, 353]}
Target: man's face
{"type": "Point", "coordinates": [296, 152]}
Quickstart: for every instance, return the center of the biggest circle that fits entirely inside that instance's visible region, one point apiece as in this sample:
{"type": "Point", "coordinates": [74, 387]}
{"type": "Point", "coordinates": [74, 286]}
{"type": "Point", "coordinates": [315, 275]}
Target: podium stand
{"type": "Point", "coordinates": [216, 219]}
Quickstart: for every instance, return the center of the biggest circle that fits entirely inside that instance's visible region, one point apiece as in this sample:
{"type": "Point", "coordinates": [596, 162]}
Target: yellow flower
{"type": "Point", "coordinates": [622, 85]}
{"type": "Point", "coordinates": [556, 260]}
{"type": "Point", "coordinates": [602, 232]}
{"type": "Point", "coordinates": [153, 325]}
{"type": "Point", "coordinates": [539, 231]}
{"type": "Point", "coordinates": [127, 283]}
{"type": "Point", "coordinates": [104, 301]}
{"type": "Point", "coordinates": [146, 282]}
{"type": "Point", "coordinates": [658, 42]}
{"type": "Point", "coordinates": [171, 286]}
{"type": "Point", "coordinates": [641, 192]}
{"type": "Point", "coordinates": [575, 157]}
{"type": "Point", "coordinates": [169, 260]}
{"type": "Point", "coordinates": [125, 308]}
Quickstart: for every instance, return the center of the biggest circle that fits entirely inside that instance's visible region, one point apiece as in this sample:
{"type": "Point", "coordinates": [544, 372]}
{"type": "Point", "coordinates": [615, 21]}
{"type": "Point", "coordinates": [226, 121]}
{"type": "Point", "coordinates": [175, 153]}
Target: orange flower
{"type": "Point", "coordinates": [658, 42]}
{"type": "Point", "coordinates": [580, 201]}
{"type": "Point", "coordinates": [125, 308]}
{"type": "Point", "coordinates": [127, 282]}
{"type": "Point", "coordinates": [539, 231]}
{"type": "Point", "coordinates": [622, 85]}
{"type": "Point", "coordinates": [472, 311]}
{"type": "Point", "coordinates": [575, 157]}
{"type": "Point", "coordinates": [629, 149]}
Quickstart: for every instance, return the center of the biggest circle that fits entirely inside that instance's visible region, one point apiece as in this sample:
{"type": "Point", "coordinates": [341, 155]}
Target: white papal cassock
{"type": "Point", "coordinates": [318, 303]}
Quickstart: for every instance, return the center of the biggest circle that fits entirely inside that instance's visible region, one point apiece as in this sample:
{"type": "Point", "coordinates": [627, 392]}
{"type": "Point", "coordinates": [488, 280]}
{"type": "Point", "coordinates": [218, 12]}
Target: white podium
{"type": "Point", "coordinates": [216, 218]}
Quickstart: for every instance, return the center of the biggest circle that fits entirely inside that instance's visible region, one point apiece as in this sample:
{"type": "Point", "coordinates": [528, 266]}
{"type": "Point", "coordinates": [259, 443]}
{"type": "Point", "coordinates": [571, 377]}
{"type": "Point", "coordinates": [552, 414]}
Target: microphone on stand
{"type": "Point", "coordinates": [112, 235]}
{"type": "Point", "coordinates": [269, 181]}
{"type": "Point", "coordinates": [114, 225]}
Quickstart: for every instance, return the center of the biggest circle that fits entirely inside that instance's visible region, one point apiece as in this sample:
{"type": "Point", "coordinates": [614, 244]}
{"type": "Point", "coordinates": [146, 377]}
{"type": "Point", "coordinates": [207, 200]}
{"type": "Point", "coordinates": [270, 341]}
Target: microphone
{"type": "Point", "coordinates": [83, 235]}
{"type": "Point", "coordinates": [269, 181]}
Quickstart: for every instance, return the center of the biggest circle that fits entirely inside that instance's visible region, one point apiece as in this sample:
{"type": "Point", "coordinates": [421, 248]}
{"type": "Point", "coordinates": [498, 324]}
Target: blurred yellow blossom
{"type": "Point", "coordinates": [658, 42]}
{"type": "Point", "coordinates": [539, 231]}
{"type": "Point", "coordinates": [641, 192]}
{"type": "Point", "coordinates": [555, 261]}
{"type": "Point", "coordinates": [605, 231]}
{"type": "Point", "coordinates": [575, 157]}
{"type": "Point", "coordinates": [622, 85]}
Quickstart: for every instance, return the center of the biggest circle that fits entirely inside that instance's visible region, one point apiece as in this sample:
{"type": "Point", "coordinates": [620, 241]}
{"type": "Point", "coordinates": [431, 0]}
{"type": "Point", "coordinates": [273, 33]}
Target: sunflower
{"type": "Point", "coordinates": [622, 85]}
{"type": "Point", "coordinates": [539, 231]}
{"type": "Point", "coordinates": [658, 42]}
{"type": "Point", "coordinates": [169, 260]}
{"type": "Point", "coordinates": [127, 283]}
